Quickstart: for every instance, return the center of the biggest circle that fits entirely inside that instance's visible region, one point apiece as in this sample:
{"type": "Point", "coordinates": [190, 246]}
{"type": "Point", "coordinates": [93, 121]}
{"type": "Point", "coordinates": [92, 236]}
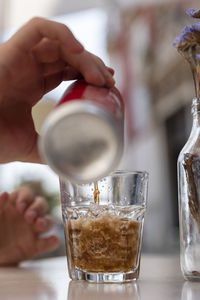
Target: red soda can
{"type": "Point", "coordinates": [82, 139]}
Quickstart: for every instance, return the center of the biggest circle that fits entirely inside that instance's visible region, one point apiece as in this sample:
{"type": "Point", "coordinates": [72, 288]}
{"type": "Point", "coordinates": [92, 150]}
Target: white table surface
{"type": "Point", "coordinates": [47, 279]}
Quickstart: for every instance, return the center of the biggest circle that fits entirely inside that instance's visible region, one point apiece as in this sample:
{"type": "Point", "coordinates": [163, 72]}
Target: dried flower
{"type": "Point", "coordinates": [188, 45]}
{"type": "Point", "coordinates": [198, 73]}
{"type": "Point", "coordinates": [193, 13]}
{"type": "Point", "coordinates": [189, 37]}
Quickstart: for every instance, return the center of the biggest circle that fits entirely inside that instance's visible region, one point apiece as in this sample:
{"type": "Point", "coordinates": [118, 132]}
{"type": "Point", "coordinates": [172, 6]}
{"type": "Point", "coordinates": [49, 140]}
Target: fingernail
{"type": "Point", "coordinates": [110, 79]}
{"type": "Point", "coordinates": [111, 71]}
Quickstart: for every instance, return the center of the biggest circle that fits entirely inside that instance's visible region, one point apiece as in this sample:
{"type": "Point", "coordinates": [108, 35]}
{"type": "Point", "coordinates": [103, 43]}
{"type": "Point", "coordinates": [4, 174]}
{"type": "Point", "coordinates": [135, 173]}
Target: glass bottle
{"type": "Point", "coordinates": [189, 199]}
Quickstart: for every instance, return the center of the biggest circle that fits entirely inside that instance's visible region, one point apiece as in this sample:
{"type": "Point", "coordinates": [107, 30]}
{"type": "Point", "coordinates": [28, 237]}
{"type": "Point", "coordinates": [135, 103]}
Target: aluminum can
{"type": "Point", "coordinates": [82, 138]}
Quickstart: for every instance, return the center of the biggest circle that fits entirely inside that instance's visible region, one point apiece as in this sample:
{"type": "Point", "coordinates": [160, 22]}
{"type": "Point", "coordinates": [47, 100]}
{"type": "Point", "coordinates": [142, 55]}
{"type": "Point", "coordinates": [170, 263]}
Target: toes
{"type": "Point", "coordinates": [23, 197]}
{"type": "Point", "coordinates": [39, 207]}
{"type": "Point", "coordinates": [3, 199]}
{"type": "Point", "coordinates": [43, 225]}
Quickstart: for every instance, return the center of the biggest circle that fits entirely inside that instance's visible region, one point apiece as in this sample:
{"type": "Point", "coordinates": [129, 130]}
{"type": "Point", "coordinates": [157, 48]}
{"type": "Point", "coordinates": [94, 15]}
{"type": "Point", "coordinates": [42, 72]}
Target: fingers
{"type": "Point", "coordinates": [47, 51]}
{"type": "Point", "coordinates": [50, 39]}
{"type": "Point", "coordinates": [22, 197]}
{"type": "Point", "coordinates": [108, 78]}
{"type": "Point", "coordinates": [28, 204]}
{"type": "Point", "coordinates": [107, 72]}
{"type": "Point", "coordinates": [46, 244]}
{"type": "Point", "coordinates": [33, 207]}
{"type": "Point", "coordinates": [38, 207]}
{"type": "Point", "coordinates": [91, 67]}
{"type": "Point", "coordinates": [51, 43]}
{"type": "Point", "coordinates": [44, 224]}
{"type": "Point", "coordinates": [52, 81]}
{"type": "Point", "coordinates": [88, 66]}
{"type": "Point", "coordinates": [73, 67]}
{"type": "Point", "coordinates": [38, 28]}
{"type": "Point", "coordinates": [42, 245]}
{"type": "Point", "coordinates": [70, 73]}
{"type": "Point", "coordinates": [53, 68]}
{"type": "Point", "coordinates": [111, 70]}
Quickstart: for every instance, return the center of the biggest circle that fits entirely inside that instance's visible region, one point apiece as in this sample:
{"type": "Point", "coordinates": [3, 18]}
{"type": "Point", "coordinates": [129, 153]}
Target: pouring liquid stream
{"type": "Point", "coordinates": [96, 193]}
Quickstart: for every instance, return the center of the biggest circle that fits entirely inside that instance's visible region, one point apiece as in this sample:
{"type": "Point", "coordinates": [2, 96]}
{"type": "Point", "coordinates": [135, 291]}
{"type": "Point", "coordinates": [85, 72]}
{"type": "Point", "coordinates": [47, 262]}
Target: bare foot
{"type": "Point", "coordinates": [23, 218]}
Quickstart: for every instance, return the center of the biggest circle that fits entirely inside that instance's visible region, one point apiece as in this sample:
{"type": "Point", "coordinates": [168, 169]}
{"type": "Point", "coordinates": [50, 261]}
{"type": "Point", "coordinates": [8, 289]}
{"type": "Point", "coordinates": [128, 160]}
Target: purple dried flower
{"type": "Point", "coordinates": [190, 35]}
{"type": "Point", "coordinates": [193, 13]}
{"type": "Point", "coordinates": [187, 29]}
{"type": "Point", "coordinates": [188, 45]}
{"type": "Point", "coordinates": [196, 27]}
{"type": "Point", "coordinates": [178, 40]}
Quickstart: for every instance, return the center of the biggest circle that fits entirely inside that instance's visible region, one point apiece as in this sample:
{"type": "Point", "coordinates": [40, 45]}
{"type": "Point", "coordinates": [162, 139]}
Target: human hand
{"type": "Point", "coordinates": [23, 218]}
{"type": "Point", "coordinates": [34, 61]}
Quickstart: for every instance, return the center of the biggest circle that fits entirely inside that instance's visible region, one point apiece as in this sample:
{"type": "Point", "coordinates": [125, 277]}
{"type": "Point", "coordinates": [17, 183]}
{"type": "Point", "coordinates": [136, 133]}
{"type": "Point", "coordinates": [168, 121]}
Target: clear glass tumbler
{"type": "Point", "coordinates": [103, 224]}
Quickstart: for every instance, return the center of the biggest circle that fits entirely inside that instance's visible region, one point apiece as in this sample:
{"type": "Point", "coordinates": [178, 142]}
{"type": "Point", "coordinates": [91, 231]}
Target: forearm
{"type": "Point", "coordinates": [4, 81]}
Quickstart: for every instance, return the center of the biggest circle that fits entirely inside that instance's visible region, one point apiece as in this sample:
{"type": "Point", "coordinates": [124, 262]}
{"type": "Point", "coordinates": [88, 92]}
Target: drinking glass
{"type": "Point", "coordinates": [103, 223]}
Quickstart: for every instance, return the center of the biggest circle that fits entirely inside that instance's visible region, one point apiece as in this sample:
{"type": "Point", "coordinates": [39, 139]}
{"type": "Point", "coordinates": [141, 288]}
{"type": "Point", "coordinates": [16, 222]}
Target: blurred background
{"type": "Point", "coordinates": [135, 38]}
